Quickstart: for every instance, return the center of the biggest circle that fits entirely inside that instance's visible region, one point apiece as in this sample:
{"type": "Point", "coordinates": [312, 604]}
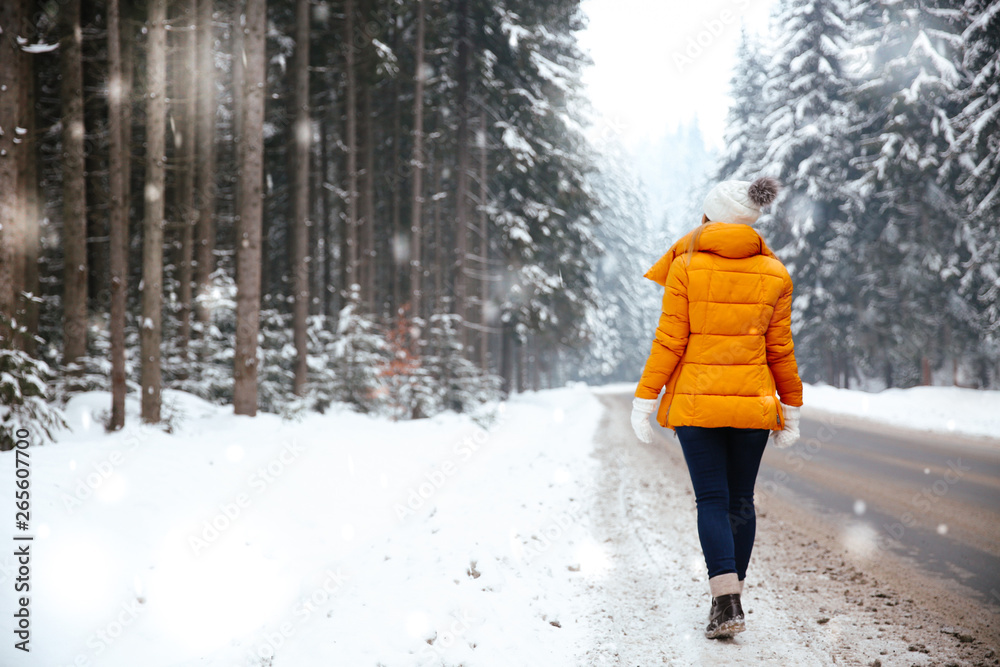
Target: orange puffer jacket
{"type": "Point", "coordinates": [723, 345]}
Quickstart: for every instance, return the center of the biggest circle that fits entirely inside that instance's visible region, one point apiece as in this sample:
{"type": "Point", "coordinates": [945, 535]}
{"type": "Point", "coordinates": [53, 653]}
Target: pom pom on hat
{"type": "Point", "coordinates": [740, 201]}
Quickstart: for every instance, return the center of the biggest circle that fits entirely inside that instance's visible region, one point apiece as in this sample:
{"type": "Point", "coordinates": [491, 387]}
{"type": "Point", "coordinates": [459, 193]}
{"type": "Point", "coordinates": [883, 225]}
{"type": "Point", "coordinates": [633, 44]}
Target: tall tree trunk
{"type": "Point", "coordinates": [74, 186]}
{"type": "Point", "coordinates": [205, 147]}
{"type": "Point", "coordinates": [300, 230]}
{"type": "Point", "coordinates": [484, 247]}
{"type": "Point", "coordinates": [184, 143]}
{"type": "Point", "coordinates": [398, 268]}
{"type": "Point", "coordinates": [152, 246]}
{"type": "Point", "coordinates": [128, 72]}
{"type": "Point", "coordinates": [33, 213]}
{"type": "Point", "coordinates": [248, 229]}
{"type": "Point", "coordinates": [462, 186]}
{"type": "Point", "coordinates": [417, 167]}
{"type": "Point", "coordinates": [351, 143]}
{"type": "Point", "coordinates": [12, 158]}
{"type": "Point", "coordinates": [118, 219]}
{"type": "Point", "coordinates": [239, 84]}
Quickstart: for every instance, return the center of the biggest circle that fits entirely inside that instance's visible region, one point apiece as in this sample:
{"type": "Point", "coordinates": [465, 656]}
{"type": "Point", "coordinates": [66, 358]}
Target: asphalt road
{"type": "Point", "coordinates": [932, 501]}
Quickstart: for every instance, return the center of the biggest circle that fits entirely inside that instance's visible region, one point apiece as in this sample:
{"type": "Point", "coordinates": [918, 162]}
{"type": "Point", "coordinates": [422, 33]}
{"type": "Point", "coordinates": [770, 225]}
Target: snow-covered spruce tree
{"type": "Point", "coordinates": [412, 389]}
{"type": "Point", "coordinates": [909, 263]}
{"type": "Point", "coordinates": [23, 398]}
{"type": "Point", "coordinates": [807, 151]}
{"type": "Point", "coordinates": [209, 372]}
{"type": "Point", "coordinates": [542, 227]}
{"type": "Point", "coordinates": [745, 138]}
{"type": "Point", "coordinates": [459, 384]}
{"type": "Point", "coordinates": [974, 164]}
{"type": "Point", "coordinates": [620, 320]}
{"type": "Point", "coordinates": [358, 353]}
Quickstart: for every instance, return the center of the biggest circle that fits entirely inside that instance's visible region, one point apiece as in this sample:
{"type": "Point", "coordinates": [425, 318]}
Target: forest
{"type": "Point", "coordinates": [393, 204]}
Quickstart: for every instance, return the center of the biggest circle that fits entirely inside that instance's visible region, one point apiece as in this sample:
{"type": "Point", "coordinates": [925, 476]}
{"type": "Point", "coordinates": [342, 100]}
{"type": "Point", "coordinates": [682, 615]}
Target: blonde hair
{"type": "Point", "coordinates": [696, 237]}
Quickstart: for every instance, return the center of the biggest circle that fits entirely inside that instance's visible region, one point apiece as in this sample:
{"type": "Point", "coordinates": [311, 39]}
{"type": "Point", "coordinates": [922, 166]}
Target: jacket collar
{"type": "Point", "coordinates": [732, 240]}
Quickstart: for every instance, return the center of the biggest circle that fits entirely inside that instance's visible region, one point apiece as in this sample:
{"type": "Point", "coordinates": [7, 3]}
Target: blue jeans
{"type": "Point", "coordinates": [723, 463]}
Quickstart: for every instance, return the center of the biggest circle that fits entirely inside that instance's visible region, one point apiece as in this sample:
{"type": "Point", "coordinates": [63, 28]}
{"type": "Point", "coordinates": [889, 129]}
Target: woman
{"type": "Point", "coordinates": [722, 349]}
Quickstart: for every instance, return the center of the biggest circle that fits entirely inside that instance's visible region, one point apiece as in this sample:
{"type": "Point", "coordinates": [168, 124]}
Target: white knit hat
{"type": "Point", "coordinates": [740, 201]}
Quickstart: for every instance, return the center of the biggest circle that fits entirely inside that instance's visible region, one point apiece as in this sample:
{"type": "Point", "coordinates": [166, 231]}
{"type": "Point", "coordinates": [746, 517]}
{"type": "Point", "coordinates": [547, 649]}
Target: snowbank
{"type": "Point", "coordinates": [945, 410]}
{"type": "Point", "coordinates": [335, 540]}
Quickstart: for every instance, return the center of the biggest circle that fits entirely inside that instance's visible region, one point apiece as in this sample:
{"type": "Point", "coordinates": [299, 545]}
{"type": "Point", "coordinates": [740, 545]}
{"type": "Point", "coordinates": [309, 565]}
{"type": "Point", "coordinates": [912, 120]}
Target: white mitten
{"type": "Point", "coordinates": [641, 409]}
{"type": "Point", "coordinates": [787, 436]}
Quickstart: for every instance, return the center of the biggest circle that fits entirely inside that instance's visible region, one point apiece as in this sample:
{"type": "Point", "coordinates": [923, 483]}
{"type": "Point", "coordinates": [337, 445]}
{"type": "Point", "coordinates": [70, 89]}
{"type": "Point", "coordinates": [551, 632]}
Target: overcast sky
{"type": "Point", "coordinates": [661, 62]}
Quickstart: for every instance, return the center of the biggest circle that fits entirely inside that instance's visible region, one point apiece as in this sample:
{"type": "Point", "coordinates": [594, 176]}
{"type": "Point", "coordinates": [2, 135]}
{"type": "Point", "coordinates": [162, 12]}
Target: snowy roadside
{"type": "Point", "coordinates": [953, 411]}
{"type": "Point", "coordinates": [338, 539]}
{"type": "Point", "coordinates": [806, 602]}
{"type": "Point", "coordinates": [949, 411]}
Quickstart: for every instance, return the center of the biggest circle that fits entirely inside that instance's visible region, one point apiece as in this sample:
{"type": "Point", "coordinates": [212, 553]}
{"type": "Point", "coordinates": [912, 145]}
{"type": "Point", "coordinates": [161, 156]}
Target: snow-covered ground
{"type": "Point", "coordinates": [341, 539]}
{"type": "Point", "coordinates": [943, 410]}
{"type": "Point", "coordinates": [336, 540]}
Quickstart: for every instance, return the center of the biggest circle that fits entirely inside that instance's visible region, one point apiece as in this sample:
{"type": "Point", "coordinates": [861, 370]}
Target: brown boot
{"type": "Point", "coordinates": [726, 617]}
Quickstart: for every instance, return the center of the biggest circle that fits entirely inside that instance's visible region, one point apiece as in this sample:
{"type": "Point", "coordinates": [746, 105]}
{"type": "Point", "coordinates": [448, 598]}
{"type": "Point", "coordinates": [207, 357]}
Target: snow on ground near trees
{"type": "Point", "coordinates": [340, 539]}
{"type": "Point", "coordinates": [335, 540]}
{"type": "Point", "coordinates": [945, 410]}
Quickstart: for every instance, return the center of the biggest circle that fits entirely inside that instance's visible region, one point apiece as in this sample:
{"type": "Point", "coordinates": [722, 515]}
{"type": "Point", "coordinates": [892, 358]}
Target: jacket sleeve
{"type": "Point", "coordinates": [781, 350]}
{"type": "Point", "coordinates": [671, 333]}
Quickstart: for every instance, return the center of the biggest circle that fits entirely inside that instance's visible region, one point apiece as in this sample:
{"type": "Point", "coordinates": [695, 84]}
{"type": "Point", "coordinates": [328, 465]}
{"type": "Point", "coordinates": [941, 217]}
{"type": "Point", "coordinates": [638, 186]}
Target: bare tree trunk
{"type": "Point", "coordinates": [417, 167]}
{"type": "Point", "coordinates": [152, 246]}
{"type": "Point", "coordinates": [118, 219]}
{"type": "Point", "coordinates": [300, 230]}
{"type": "Point", "coordinates": [248, 229]}
{"type": "Point", "coordinates": [128, 72]}
{"type": "Point", "coordinates": [398, 270]}
{"type": "Point", "coordinates": [462, 186]}
{"type": "Point", "coordinates": [239, 83]}
{"type": "Point", "coordinates": [73, 186]}
{"type": "Point", "coordinates": [351, 141]}
{"type": "Point", "coordinates": [184, 143]}
{"type": "Point", "coordinates": [205, 231]}
{"type": "Point", "coordinates": [33, 212]}
{"type": "Point", "coordinates": [12, 156]}
{"type": "Point", "coordinates": [484, 247]}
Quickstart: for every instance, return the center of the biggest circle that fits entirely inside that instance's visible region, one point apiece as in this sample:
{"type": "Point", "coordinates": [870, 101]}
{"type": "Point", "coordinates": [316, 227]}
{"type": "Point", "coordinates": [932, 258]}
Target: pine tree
{"type": "Point", "coordinates": [975, 162]}
{"type": "Point", "coordinates": [155, 188]}
{"type": "Point", "coordinates": [806, 121]}
{"type": "Point", "coordinates": [248, 237]}
{"type": "Point", "coordinates": [745, 138]}
{"type": "Point", "coordinates": [903, 211]}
